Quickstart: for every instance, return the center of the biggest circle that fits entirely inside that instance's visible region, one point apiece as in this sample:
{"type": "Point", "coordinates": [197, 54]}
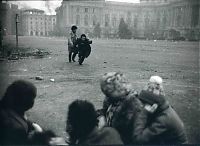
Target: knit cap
{"type": "Point", "coordinates": [155, 85]}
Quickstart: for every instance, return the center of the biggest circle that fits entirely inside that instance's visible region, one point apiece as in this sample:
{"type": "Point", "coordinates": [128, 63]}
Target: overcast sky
{"type": "Point", "coordinates": [49, 6]}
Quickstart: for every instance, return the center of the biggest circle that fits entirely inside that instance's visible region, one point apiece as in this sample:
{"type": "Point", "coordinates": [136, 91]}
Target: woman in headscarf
{"type": "Point", "coordinates": [120, 105]}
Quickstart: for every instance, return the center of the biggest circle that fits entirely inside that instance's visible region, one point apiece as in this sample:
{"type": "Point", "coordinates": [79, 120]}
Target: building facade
{"type": "Point", "coordinates": [36, 23]}
{"type": "Point", "coordinates": [7, 17]}
{"type": "Point", "coordinates": [147, 19]}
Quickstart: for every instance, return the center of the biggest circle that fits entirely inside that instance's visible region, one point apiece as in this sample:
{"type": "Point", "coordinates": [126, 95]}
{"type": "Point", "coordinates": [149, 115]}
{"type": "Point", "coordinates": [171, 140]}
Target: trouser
{"type": "Point", "coordinates": [72, 56]}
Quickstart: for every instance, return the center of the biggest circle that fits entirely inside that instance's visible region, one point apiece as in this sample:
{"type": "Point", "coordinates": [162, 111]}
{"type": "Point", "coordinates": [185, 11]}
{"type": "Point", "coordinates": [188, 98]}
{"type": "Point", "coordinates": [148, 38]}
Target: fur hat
{"type": "Point", "coordinates": [155, 85]}
{"type": "Point", "coordinates": [115, 85]}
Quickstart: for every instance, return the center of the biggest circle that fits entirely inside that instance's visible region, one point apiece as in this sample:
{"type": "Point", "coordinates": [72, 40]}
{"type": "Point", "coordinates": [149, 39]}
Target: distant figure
{"type": "Point", "coordinates": [158, 123]}
{"type": "Point", "coordinates": [84, 49]}
{"type": "Point", "coordinates": [15, 128]}
{"type": "Point", "coordinates": [71, 44]}
{"type": "Point", "coordinates": [120, 106]}
{"type": "Point", "coordinates": [82, 126]}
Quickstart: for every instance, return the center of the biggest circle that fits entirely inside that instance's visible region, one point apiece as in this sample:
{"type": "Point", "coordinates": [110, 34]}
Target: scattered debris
{"type": "Point", "coordinates": [52, 80]}
{"type": "Point", "coordinates": [23, 70]}
{"type": "Point", "coordinates": [39, 78]}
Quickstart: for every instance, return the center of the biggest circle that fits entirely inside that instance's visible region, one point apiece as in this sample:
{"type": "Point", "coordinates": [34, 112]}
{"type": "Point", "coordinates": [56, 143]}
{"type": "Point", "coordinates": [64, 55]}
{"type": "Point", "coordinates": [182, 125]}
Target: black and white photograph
{"type": "Point", "coordinates": [99, 72]}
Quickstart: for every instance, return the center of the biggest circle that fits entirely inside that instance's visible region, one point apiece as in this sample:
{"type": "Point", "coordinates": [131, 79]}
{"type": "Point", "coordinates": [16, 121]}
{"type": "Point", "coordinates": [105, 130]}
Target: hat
{"type": "Point", "coordinates": [155, 85]}
{"type": "Point", "coordinates": [155, 79]}
{"type": "Point", "coordinates": [115, 85]}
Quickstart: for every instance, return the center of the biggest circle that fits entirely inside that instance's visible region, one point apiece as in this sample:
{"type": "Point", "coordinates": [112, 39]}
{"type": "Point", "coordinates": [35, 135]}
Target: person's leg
{"type": "Point", "coordinates": [81, 58]}
{"type": "Point", "coordinates": [74, 56]}
{"type": "Point", "coordinates": [75, 52]}
{"type": "Point", "coordinates": [70, 56]}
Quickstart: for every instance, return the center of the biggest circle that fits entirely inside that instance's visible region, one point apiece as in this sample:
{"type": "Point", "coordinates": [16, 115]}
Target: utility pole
{"type": "Point", "coordinates": [17, 21]}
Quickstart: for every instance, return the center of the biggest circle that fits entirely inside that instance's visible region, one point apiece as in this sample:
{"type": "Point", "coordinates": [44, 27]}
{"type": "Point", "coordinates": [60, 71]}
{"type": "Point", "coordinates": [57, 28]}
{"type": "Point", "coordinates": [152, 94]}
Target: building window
{"type": "Point", "coordinates": [195, 16]}
{"type": "Point", "coordinates": [135, 22]}
{"type": "Point", "coordinates": [77, 10]}
{"type": "Point", "coordinates": [107, 20]}
{"type": "Point", "coordinates": [93, 10]}
{"type": "Point", "coordinates": [41, 18]}
{"type": "Point", "coordinates": [31, 33]}
{"type": "Point", "coordinates": [86, 20]}
{"type": "Point", "coordinates": [114, 21]}
{"type": "Point", "coordinates": [77, 19]}
{"type": "Point", "coordinates": [94, 20]}
{"type": "Point", "coordinates": [86, 10]}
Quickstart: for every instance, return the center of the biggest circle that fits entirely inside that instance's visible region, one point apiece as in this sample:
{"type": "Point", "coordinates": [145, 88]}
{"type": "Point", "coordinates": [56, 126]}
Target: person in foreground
{"type": "Point", "coordinates": [15, 128]}
{"type": "Point", "coordinates": [82, 126]}
{"type": "Point", "coordinates": [120, 105]}
{"type": "Point", "coordinates": [158, 123]}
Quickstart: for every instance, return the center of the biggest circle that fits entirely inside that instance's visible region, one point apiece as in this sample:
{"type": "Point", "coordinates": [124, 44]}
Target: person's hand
{"type": "Point", "coordinates": [151, 108]}
{"type": "Point", "coordinates": [37, 128]}
{"type": "Point", "coordinates": [57, 141]}
{"type": "Point", "coordinates": [102, 122]}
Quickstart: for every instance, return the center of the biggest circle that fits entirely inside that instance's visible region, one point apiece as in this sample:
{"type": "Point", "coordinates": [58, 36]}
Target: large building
{"type": "Point", "coordinates": [7, 17]}
{"type": "Point", "coordinates": [147, 19]}
{"type": "Point", "coordinates": [36, 23]}
{"type": "Point", "coordinates": [30, 21]}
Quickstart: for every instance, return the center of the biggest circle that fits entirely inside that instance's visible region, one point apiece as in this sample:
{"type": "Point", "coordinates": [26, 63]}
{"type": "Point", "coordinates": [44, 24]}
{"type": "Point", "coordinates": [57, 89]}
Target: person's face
{"type": "Point", "coordinates": [74, 30]}
{"type": "Point", "coordinates": [83, 38]}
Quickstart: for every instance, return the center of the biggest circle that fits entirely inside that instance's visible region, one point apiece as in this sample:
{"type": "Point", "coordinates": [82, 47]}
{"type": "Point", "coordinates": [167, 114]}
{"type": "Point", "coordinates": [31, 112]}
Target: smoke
{"type": "Point", "coordinates": [48, 6]}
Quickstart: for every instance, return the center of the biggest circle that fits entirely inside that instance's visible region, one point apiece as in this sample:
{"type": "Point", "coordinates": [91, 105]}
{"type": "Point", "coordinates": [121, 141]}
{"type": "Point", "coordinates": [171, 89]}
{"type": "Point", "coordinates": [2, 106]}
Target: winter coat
{"type": "Point", "coordinates": [121, 115]}
{"type": "Point", "coordinates": [164, 126]}
{"type": "Point", "coordinates": [84, 47]}
{"type": "Point", "coordinates": [71, 42]}
{"type": "Point", "coordinates": [14, 128]}
{"type": "Point", "coordinates": [104, 136]}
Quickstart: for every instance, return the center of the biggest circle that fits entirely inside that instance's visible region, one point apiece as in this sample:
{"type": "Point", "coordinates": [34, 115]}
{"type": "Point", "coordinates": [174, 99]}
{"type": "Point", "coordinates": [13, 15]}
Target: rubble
{"type": "Point", "coordinates": [39, 78]}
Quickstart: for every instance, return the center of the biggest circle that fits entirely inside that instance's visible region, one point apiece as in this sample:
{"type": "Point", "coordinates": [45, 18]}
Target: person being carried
{"type": "Point", "coordinates": [84, 49]}
{"type": "Point", "coordinates": [158, 123]}
{"type": "Point", "coordinates": [71, 44]}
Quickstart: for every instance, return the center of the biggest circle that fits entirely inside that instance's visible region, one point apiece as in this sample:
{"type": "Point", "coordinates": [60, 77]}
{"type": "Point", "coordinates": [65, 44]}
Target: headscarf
{"type": "Point", "coordinates": [115, 85]}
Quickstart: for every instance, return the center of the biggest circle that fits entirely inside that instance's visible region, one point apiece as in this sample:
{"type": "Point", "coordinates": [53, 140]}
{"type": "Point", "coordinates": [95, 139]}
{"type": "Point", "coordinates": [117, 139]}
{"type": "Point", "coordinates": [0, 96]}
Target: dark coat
{"type": "Point", "coordinates": [121, 115]}
{"type": "Point", "coordinates": [14, 128]}
{"type": "Point", "coordinates": [162, 127]}
{"type": "Point", "coordinates": [84, 47]}
{"type": "Point", "coordinates": [104, 136]}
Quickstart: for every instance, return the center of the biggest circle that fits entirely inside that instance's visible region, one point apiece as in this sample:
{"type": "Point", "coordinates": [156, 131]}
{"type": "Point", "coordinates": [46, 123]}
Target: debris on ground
{"type": "Point", "coordinates": [52, 80]}
{"type": "Point", "coordinates": [39, 78]}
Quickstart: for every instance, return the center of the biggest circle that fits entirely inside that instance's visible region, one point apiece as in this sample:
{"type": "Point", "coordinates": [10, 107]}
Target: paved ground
{"type": "Point", "coordinates": [176, 62]}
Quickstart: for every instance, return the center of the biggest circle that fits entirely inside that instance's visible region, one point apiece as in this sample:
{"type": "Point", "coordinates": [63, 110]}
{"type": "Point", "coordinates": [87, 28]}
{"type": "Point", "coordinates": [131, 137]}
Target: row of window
{"type": "Point", "coordinates": [38, 33]}
{"type": "Point", "coordinates": [42, 19]}
{"type": "Point", "coordinates": [86, 10]}
{"type": "Point", "coordinates": [36, 23]}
